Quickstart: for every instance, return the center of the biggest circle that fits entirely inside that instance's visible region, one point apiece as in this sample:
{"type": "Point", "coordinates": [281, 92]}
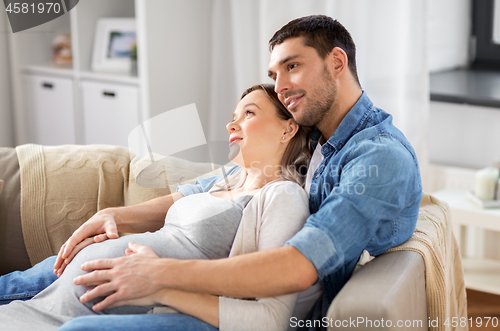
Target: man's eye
{"type": "Point", "coordinates": [291, 66]}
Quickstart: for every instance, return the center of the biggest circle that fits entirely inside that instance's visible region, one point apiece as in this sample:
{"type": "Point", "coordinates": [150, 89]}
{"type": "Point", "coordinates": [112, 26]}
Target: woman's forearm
{"type": "Point", "coordinates": [146, 216]}
{"type": "Point", "coordinates": [202, 306]}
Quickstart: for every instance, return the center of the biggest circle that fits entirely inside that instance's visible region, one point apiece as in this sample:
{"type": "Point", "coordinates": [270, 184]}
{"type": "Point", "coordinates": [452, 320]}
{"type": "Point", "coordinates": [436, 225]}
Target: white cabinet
{"type": "Point", "coordinates": [110, 112]}
{"type": "Point", "coordinates": [480, 273]}
{"type": "Point", "coordinates": [165, 81]}
{"type": "Point", "coordinates": [54, 104]}
{"type": "Point", "coordinates": [50, 110]}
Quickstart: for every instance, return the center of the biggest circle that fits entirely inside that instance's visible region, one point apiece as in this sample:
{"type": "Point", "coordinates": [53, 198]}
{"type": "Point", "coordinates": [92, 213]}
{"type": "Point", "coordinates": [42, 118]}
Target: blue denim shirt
{"type": "Point", "coordinates": [365, 194]}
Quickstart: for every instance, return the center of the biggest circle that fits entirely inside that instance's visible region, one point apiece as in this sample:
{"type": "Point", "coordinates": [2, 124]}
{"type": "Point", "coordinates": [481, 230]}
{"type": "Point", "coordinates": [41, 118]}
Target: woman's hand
{"type": "Point", "coordinates": [150, 300]}
{"type": "Point", "coordinates": [146, 216]}
{"type": "Point", "coordinates": [98, 228]}
{"type": "Point", "coordinates": [139, 250]}
{"type": "Point", "coordinates": [61, 264]}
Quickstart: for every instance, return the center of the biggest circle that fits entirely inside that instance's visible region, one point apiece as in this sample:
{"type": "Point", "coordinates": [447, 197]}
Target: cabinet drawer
{"type": "Point", "coordinates": [50, 109]}
{"type": "Point", "coordinates": [110, 112]}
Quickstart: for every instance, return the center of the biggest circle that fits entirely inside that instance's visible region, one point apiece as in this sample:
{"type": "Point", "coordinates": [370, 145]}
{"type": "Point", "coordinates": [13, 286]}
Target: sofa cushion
{"type": "Point", "coordinates": [13, 255]}
{"type": "Point", "coordinates": [157, 175]}
{"type": "Point", "coordinates": [63, 186]}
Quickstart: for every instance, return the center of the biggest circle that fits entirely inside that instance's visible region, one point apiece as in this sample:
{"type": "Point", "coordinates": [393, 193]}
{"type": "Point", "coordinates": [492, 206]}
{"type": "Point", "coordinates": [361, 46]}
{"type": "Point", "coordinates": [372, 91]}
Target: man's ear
{"type": "Point", "coordinates": [338, 61]}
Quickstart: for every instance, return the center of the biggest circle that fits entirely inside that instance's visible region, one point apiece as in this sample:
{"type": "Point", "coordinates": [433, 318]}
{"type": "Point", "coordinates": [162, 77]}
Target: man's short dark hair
{"type": "Point", "coordinates": [321, 32]}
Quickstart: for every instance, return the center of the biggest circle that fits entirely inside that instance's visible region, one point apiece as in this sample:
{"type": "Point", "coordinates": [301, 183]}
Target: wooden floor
{"type": "Point", "coordinates": [481, 305]}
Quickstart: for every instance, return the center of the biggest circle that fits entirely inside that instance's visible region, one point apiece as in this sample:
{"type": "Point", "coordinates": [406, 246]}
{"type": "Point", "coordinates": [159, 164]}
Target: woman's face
{"type": "Point", "coordinates": [256, 132]}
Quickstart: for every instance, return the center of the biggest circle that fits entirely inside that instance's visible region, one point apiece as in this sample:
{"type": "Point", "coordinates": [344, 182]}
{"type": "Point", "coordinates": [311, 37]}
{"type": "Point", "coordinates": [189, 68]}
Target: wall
{"type": "Point", "coordinates": [6, 118]}
{"type": "Point", "coordinates": [175, 61]}
{"type": "Point", "coordinates": [179, 61]}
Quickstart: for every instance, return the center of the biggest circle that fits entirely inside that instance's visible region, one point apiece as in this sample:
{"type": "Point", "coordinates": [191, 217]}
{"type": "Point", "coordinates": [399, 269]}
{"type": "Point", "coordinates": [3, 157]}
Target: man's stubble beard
{"type": "Point", "coordinates": [321, 102]}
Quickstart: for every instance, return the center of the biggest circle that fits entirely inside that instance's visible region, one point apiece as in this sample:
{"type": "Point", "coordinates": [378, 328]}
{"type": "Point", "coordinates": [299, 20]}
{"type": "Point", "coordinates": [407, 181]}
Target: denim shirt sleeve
{"type": "Point", "coordinates": [376, 209]}
{"type": "Point", "coordinates": [203, 184]}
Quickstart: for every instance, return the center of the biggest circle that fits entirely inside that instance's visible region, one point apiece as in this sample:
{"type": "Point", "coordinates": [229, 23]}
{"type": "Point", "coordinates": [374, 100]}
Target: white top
{"type": "Point", "coordinates": [316, 160]}
{"type": "Point", "coordinates": [271, 217]}
{"type": "Point", "coordinates": [274, 215]}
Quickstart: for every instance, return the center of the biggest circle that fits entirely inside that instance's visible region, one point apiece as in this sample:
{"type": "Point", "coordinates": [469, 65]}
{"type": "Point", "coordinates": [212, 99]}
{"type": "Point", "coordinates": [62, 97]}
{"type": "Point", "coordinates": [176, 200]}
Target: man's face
{"type": "Point", "coordinates": [303, 81]}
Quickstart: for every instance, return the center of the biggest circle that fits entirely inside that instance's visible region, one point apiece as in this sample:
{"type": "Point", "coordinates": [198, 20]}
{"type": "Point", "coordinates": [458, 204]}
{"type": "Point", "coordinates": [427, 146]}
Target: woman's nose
{"type": "Point", "coordinates": [232, 126]}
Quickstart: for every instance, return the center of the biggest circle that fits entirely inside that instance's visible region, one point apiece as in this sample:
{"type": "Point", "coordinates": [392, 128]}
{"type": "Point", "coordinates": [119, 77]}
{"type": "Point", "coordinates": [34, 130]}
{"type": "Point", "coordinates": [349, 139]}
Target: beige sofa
{"type": "Point", "coordinates": [389, 288]}
{"type": "Point", "coordinates": [61, 187]}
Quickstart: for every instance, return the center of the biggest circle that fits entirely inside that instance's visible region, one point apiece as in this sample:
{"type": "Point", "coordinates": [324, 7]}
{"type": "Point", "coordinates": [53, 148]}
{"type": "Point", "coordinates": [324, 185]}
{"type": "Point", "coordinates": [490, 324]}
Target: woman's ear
{"type": "Point", "coordinates": [291, 129]}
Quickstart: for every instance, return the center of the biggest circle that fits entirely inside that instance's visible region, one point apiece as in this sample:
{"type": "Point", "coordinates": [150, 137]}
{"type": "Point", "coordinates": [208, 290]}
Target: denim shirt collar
{"type": "Point", "coordinates": [350, 125]}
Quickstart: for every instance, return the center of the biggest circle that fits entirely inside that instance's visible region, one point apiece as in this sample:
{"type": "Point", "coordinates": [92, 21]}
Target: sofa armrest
{"type": "Point", "coordinates": [391, 288]}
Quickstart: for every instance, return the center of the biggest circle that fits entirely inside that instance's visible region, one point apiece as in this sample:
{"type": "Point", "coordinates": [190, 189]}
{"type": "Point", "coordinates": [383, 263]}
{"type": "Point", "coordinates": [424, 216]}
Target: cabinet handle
{"type": "Point", "coordinates": [48, 85]}
{"type": "Point", "coordinates": [108, 94]}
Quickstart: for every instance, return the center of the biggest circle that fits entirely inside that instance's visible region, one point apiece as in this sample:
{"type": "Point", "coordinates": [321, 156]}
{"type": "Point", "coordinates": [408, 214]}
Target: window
{"type": "Point", "coordinates": [486, 29]}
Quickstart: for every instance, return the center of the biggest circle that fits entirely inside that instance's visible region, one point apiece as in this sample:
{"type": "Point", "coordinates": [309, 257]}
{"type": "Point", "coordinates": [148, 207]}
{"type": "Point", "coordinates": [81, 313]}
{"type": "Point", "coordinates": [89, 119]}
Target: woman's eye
{"type": "Point", "coordinates": [249, 112]}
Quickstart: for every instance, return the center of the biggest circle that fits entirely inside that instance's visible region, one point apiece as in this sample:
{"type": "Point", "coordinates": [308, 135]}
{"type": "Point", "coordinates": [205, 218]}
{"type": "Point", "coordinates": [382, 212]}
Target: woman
{"type": "Point", "coordinates": [259, 207]}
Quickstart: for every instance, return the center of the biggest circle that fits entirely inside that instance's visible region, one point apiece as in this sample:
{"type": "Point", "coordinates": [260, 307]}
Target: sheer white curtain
{"type": "Point", "coordinates": [449, 25]}
{"type": "Point", "coordinates": [390, 37]}
{"type": "Point", "coordinates": [6, 116]}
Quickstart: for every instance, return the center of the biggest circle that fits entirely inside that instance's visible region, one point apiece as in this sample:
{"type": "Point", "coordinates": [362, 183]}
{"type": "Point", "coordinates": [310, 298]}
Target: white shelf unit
{"type": "Point", "coordinates": [67, 71]}
{"type": "Point", "coordinates": [481, 274]}
{"type": "Point", "coordinates": [31, 53]}
{"type": "Point", "coordinates": [173, 57]}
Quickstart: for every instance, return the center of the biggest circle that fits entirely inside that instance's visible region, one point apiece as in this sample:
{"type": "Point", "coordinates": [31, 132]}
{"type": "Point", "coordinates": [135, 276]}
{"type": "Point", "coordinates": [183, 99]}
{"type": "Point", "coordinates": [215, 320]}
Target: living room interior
{"type": "Point", "coordinates": [108, 67]}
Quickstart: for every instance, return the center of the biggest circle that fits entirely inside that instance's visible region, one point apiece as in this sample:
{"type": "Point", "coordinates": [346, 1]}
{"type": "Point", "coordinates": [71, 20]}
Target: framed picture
{"type": "Point", "coordinates": [113, 44]}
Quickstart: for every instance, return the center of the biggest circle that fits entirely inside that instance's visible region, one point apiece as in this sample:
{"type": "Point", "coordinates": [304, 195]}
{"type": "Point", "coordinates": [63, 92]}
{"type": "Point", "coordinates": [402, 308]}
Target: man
{"type": "Point", "coordinates": [363, 181]}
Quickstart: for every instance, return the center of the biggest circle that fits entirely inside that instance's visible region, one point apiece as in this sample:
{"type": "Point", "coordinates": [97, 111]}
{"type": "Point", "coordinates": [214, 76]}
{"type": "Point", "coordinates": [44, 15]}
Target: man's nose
{"type": "Point", "coordinates": [282, 84]}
